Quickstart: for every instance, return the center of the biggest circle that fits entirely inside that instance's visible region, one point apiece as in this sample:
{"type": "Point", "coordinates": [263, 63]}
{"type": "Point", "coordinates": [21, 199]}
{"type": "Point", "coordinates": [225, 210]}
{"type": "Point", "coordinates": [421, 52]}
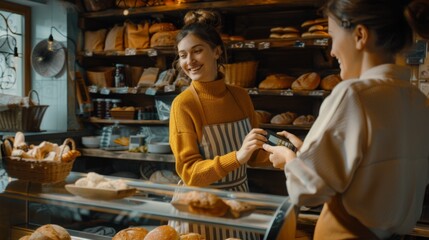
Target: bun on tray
{"type": "Point", "coordinates": [131, 233]}
{"type": "Point", "coordinates": [206, 203]}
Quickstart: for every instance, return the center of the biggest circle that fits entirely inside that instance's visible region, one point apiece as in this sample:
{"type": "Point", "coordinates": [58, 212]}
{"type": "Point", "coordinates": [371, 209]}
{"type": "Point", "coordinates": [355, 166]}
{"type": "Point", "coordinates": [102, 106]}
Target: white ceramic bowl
{"type": "Point", "coordinates": [91, 141]}
{"type": "Point", "coordinates": [159, 147]}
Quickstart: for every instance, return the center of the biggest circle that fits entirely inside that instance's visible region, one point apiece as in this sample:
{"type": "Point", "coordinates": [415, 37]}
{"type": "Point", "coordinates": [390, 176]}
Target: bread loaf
{"type": "Point", "coordinates": [163, 232]}
{"type": "Point", "coordinates": [307, 81]}
{"type": "Point", "coordinates": [304, 120]}
{"type": "Point", "coordinates": [161, 27]}
{"type": "Point", "coordinates": [131, 233]}
{"type": "Point", "coordinates": [50, 232]}
{"type": "Point", "coordinates": [162, 39]}
{"type": "Point", "coordinates": [263, 116]}
{"type": "Point", "coordinates": [277, 81]}
{"type": "Point", "coordinates": [285, 118]}
{"type": "Point", "coordinates": [329, 82]}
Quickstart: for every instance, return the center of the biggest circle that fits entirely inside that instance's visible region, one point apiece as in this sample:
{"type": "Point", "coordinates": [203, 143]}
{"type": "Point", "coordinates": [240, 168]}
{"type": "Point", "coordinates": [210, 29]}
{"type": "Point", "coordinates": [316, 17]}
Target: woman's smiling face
{"type": "Point", "coordinates": [344, 50]}
{"type": "Point", "coordinates": [197, 59]}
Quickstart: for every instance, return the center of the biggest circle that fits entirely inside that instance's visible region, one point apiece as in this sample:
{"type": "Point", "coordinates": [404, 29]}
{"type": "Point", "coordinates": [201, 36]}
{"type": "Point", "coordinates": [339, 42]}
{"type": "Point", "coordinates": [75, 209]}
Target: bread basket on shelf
{"type": "Point", "coordinates": [40, 171]}
{"type": "Point", "coordinates": [23, 118]}
{"type": "Point", "coordinates": [241, 74]}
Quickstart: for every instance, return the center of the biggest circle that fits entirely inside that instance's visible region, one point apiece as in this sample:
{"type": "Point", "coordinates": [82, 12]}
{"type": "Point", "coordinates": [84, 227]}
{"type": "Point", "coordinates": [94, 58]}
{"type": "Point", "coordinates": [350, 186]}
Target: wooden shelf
{"type": "Point", "coordinates": [96, 120]}
{"type": "Point", "coordinates": [284, 127]}
{"type": "Point", "coordinates": [226, 6]}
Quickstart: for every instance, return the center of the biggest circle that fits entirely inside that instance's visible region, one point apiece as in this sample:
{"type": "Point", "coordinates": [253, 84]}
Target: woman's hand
{"type": "Point", "coordinates": [253, 141]}
{"type": "Point", "coordinates": [280, 155]}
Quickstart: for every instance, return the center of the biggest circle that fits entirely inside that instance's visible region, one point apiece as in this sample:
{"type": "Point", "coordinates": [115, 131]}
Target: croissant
{"type": "Point", "coordinates": [70, 155]}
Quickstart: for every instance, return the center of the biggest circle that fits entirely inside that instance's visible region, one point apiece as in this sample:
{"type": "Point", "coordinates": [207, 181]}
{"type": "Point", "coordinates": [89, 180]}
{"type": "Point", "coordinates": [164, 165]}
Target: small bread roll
{"type": "Point", "coordinates": [236, 38]}
{"type": "Point", "coordinates": [304, 120]}
{"type": "Point", "coordinates": [307, 23]}
{"type": "Point", "coordinates": [276, 81]}
{"type": "Point", "coordinates": [50, 231]}
{"type": "Point", "coordinates": [236, 208]}
{"type": "Point", "coordinates": [19, 140]}
{"type": "Point", "coordinates": [207, 204]}
{"type": "Point", "coordinates": [263, 116]}
{"type": "Point", "coordinates": [191, 236]}
{"type": "Point", "coordinates": [289, 35]}
{"type": "Point", "coordinates": [163, 232]}
{"type": "Point", "coordinates": [329, 82]}
{"type": "Point", "coordinates": [307, 81]}
{"type": "Point", "coordinates": [70, 155]}
{"type": "Point", "coordinates": [285, 118]}
{"type": "Point", "coordinates": [131, 233]}
{"type": "Point", "coordinates": [276, 35]}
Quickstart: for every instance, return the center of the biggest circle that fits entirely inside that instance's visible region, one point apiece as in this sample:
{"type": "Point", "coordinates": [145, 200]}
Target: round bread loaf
{"type": "Point", "coordinates": [206, 203]}
{"type": "Point", "coordinates": [50, 232]}
{"type": "Point", "coordinates": [277, 81]}
{"type": "Point", "coordinates": [163, 232]}
{"type": "Point", "coordinates": [329, 82]}
{"type": "Point", "coordinates": [263, 116]}
{"type": "Point", "coordinates": [131, 233]}
{"type": "Point", "coordinates": [285, 118]}
{"type": "Point", "coordinates": [307, 81]}
{"type": "Point", "coordinates": [304, 120]}
{"type": "Point", "coordinates": [161, 27]}
{"type": "Point", "coordinates": [191, 236]}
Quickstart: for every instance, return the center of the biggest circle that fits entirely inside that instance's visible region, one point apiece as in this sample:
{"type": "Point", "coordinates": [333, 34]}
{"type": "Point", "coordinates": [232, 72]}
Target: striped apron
{"type": "Point", "coordinates": [220, 139]}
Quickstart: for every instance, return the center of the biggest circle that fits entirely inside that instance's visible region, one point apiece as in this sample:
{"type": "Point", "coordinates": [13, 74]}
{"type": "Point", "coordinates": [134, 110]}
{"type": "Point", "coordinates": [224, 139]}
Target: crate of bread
{"type": "Point", "coordinates": [45, 163]}
{"type": "Point", "coordinates": [123, 112]}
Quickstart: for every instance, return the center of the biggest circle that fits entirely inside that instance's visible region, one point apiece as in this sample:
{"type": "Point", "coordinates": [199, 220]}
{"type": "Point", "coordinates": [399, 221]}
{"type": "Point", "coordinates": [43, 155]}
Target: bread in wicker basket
{"type": "Point", "coordinates": [25, 162]}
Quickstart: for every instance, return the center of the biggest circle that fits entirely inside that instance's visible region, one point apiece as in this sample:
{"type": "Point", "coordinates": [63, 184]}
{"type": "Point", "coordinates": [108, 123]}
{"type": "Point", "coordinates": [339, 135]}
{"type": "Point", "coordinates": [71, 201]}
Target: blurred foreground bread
{"type": "Point", "coordinates": [131, 233]}
{"type": "Point", "coordinates": [50, 232]}
{"type": "Point", "coordinates": [285, 118]}
{"type": "Point", "coordinates": [163, 232]}
{"type": "Point", "coordinates": [191, 236]}
{"type": "Point", "coordinates": [307, 81]}
{"type": "Point", "coordinates": [329, 82]}
{"type": "Point", "coordinates": [276, 81]}
{"type": "Point", "coordinates": [237, 208]}
{"type": "Point", "coordinates": [263, 116]}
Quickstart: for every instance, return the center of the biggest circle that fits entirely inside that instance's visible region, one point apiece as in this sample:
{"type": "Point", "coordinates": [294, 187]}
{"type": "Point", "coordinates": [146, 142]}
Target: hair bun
{"type": "Point", "coordinates": [204, 17]}
{"type": "Point", "coordinates": [417, 14]}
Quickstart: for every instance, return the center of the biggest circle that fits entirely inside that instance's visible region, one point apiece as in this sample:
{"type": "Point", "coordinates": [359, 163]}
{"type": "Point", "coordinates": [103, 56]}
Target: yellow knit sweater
{"type": "Point", "coordinates": [186, 129]}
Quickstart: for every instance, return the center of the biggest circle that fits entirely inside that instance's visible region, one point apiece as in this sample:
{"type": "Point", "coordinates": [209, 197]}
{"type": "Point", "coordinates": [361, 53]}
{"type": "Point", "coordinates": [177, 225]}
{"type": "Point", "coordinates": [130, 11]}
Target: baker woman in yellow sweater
{"type": "Point", "coordinates": [213, 131]}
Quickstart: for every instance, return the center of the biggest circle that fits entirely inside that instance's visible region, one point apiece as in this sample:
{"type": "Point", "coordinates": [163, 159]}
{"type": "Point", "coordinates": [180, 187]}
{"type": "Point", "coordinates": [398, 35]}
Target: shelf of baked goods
{"type": "Point", "coordinates": [316, 41]}
{"type": "Point", "coordinates": [178, 8]}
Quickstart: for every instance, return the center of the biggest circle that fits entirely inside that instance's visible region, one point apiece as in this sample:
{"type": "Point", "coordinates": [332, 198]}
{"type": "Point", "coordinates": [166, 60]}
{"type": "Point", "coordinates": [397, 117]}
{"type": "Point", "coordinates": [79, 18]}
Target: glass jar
{"type": "Point", "coordinates": [108, 106]}
{"type": "Point", "coordinates": [119, 75]}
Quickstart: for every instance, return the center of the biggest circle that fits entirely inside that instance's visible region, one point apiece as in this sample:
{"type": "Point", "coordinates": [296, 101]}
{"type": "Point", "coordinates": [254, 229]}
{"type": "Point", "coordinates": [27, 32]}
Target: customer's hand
{"type": "Point", "coordinates": [279, 155]}
{"type": "Point", "coordinates": [253, 141]}
{"type": "Point", "coordinates": [296, 141]}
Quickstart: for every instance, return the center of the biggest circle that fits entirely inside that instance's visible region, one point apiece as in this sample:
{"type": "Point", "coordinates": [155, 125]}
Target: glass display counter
{"type": "Point", "coordinates": [26, 205]}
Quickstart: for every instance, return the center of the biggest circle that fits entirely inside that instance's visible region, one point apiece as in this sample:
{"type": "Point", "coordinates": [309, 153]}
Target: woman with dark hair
{"type": "Point", "coordinates": [366, 158]}
{"type": "Point", "coordinates": [213, 131]}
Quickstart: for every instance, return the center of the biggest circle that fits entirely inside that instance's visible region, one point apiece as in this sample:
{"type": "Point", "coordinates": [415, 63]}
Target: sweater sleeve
{"type": "Point", "coordinates": [193, 169]}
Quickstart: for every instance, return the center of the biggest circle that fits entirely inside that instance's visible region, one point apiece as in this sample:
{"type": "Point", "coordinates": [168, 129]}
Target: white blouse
{"type": "Point", "coordinates": [370, 143]}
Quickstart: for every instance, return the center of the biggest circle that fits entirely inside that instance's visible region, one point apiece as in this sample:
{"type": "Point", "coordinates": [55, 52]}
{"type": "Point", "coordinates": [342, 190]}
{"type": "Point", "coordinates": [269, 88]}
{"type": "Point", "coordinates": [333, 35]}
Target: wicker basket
{"type": "Point", "coordinates": [241, 74]}
{"type": "Point", "coordinates": [38, 170]}
{"type": "Point", "coordinates": [19, 118]}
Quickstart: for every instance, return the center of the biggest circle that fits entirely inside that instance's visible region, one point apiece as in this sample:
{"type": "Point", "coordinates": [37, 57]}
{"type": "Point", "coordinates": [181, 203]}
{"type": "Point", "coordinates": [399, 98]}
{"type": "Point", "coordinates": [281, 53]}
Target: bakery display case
{"type": "Point", "coordinates": [88, 214]}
